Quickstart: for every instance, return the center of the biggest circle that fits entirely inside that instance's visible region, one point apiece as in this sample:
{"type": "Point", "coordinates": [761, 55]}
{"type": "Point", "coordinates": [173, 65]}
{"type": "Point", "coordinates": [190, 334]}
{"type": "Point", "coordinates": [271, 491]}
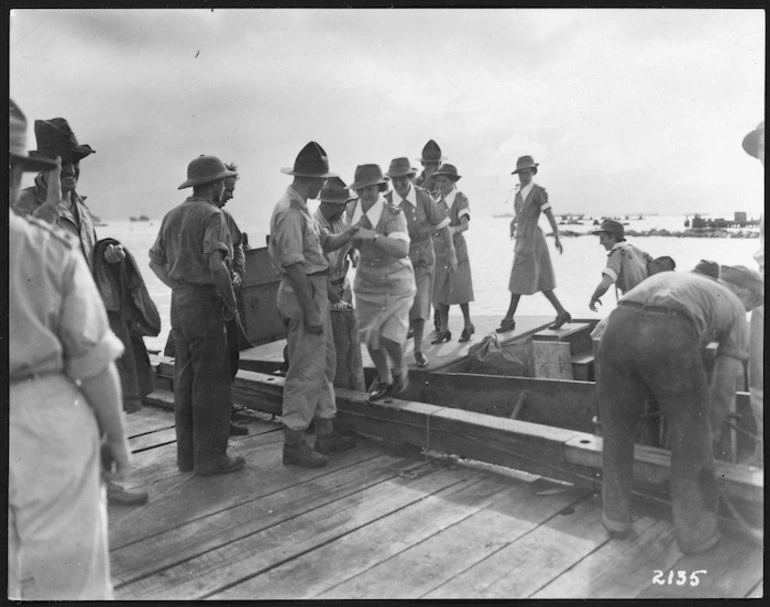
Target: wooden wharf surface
{"type": "Point", "coordinates": [374, 523]}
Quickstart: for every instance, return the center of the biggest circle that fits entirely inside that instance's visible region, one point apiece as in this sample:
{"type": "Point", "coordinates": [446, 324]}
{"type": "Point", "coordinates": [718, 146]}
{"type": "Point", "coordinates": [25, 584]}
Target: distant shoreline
{"type": "Point", "coordinates": [690, 233]}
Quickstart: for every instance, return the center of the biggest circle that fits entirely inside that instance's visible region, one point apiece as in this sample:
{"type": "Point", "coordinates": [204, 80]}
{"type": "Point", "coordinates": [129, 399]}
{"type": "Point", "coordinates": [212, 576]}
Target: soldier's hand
{"type": "Point", "coordinates": [355, 257]}
{"type": "Point", "coordinates": [116, 459]}
{"type": "Point", "coordinates": [592, 304]}
{"type": "Point", "coordinates": [114, 253]}
{"type": "Point", "coordinates": [352, 230]}
{"type": "Point", "coordinates": [237, 280]}
{"type": "Point", "coordinates": [365, 234]}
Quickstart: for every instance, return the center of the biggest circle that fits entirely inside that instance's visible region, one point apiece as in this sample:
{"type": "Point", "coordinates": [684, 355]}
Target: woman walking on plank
{"type": "Point", "coordinates": [384, 285]}
{"type": "Point", "coordinates": [532, 270]}
{"type": "Point", "coordinates": [453, 287]}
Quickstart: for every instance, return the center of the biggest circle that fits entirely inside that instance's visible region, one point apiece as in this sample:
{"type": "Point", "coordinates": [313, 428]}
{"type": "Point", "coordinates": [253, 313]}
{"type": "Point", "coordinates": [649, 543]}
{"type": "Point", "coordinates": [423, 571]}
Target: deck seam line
{"type": "Point", "coordinates": [261, 530]}
{"type": "Point", "coordinates": [336, 538]}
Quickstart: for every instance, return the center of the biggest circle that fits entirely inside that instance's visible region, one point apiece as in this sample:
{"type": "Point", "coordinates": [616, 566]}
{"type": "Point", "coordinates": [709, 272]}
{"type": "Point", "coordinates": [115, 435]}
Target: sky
{"type": "Point", "coordinates": [627, 110]}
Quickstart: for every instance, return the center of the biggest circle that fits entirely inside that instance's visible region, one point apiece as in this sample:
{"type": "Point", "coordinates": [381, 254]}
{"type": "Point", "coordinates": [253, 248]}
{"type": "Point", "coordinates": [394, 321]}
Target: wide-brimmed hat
{"type": "Point", "coordinates": [17, 142]}
{"type": "Point", "coordinates": [55, 138]}
{"type": "Point", "coordinates": [431, 152]}
{"type": "Point", "coordinates": [611, 227]}
{"type": "Point", "coordinates": [205, 169]}
{"type": "Point", "coordinates": [743, 277]}
{"type": "Point", "coordinates": [448, 170]}
{"type": "Point", "coordinates": [707, 268]}
{"type": "Point", "coordinates": [335, 190]}
{"type": "Point", "coordinates": [751, 140]}
{"type": "Point", "coordinates": [311, 162]}
{"type": "Point", "coordinates": [366, 175]}
{"type": "Point", "coordinates": [525, 162]}
{"type": "Point", "coordinates": [400, 167]}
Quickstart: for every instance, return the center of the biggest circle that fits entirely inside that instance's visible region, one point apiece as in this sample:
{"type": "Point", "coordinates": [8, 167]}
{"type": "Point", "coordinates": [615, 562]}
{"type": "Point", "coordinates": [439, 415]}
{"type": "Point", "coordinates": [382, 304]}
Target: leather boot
{"type": "Point", "coordinates": [328, 440]}
{"type": "Point", "coordinates": [298, 453]}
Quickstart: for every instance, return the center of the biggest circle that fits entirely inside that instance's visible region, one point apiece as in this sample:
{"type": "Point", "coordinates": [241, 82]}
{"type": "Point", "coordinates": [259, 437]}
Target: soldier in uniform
{"type": "Point", "coordinates": [297, 244]}
{"type": "Point", "coordinates": [626, 264]}
{"type": "Point", "coordinates": [423, 216]}
{"type": "Point", "coordinates": [70, 213]}
{"type": "Point", "coordinates": [430, 160]}
{"type": "Point", "coordinates": [64, 413]}
{"type": "Point", "coordinates": [332, 216]}
{"type": "Point", "coordinates": [192, 255]}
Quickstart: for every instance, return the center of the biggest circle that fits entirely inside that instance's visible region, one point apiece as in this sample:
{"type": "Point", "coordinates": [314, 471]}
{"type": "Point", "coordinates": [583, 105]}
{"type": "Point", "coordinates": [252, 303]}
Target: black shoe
{"type": "Point", "coordinates": [422, 362]}
{"type": "Point", "coordinates": [225, 465]}
{"type": "Point", "coordinates": [120, 496]}
{"type": "Point", "coordinates": [236, 430]}
{"type": "Point", "coordinates": [561, 319]}
{"type": "Point", "coordinates": [442, 337]}
{"type": "Point", "coordinates": [381, 391]}
{"type": "Point", "coordinates": [466, 334]}
{"type": "Point", "coordinates": [506, 325]}
{"type": "Point", "coordinates": [334, 442]}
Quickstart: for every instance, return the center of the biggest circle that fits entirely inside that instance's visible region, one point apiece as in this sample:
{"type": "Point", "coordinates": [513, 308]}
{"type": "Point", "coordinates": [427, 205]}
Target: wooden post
{"type": "Point", "coordinates": [350, 371]}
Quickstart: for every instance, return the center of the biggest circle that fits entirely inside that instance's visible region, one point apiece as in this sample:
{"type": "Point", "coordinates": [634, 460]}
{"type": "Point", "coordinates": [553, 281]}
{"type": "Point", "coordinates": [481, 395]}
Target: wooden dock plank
{"type": "Point", "coordinates": [422, 567]}
{"type": "Point", "coordinates": [156, 472]}
{"type": "Point", "coordinates": [199, 497]}
{"type": "Point", "coordinates": [536, 558]}
{"type": "Point", "coordinates": [147, 419]}
{"type": "Point", "coordinates": [221, 568]}
{"type": "Point", "coordinates": [732, 569]}
{"type": "Point", "coordinates": [619, 568]}
{"type": "Point", "coordinates": [152, 440]}
{"type": "Point", "coordinates": [312, 573]}
{"type": "Point", "coordinates": [260, 511]}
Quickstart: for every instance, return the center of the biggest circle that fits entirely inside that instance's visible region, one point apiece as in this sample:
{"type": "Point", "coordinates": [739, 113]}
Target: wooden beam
{"type": "Point", "coordinates": [567, 455]}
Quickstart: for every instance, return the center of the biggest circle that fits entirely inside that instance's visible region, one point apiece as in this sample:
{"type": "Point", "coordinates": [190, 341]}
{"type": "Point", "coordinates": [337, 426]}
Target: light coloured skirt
{"type": "Point", "coordinates": [384, 296]}
{"type": "Point", "coordinates": [532, 270]}
{"type": "Point", "coordinates": [451, 288]}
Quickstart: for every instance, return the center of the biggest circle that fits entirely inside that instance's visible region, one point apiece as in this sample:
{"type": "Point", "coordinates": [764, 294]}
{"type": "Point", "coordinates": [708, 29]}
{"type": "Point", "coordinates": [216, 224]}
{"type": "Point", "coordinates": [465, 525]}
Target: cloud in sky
{"type": "Point", "coordinates": [626, 110]}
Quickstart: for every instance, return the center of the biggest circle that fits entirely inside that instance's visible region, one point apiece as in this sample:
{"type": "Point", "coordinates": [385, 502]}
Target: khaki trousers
{"type": "Point", "coordinates": [57, 510]}
{"type": "Point", "coordinates": [309, 389]}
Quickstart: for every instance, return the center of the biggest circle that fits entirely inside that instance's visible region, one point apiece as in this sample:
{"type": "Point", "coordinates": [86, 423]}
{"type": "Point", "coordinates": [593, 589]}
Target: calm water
{"type": "Point", "coordinates": [578, 270]}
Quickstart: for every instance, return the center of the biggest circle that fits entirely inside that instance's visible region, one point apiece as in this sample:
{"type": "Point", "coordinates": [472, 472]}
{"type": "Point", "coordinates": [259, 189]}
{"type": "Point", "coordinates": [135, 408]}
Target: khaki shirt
{"type": "Point", "coordinates": [338, 265]}
{"type": "Point", "coordinates": [57, 321]}
{"type": "Point", "coordinates": [626, 266]}
{"type": "Point", "coordinates": [717, 313]}
{"type": "Point", "coordinates": [236, 240]}
{"type": "Point", "coordinates": [188, 235]}
{"type": "Point", "coordinates": [295, 237]}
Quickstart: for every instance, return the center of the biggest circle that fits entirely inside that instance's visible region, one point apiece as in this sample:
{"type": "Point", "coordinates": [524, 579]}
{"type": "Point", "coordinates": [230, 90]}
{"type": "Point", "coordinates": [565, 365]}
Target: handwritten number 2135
{"type": "Point", "coordinates": [679, 577]}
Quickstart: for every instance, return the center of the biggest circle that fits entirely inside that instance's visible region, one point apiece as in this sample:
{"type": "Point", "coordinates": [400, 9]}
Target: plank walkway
{"type": "Point", "coordinates": [438, 355]}
{"type": "Point", "coordinates": [376, 524]}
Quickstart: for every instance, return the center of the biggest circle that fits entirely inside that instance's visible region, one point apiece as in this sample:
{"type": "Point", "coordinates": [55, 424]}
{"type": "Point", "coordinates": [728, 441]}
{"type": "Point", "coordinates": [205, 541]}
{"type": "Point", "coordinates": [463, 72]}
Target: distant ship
{"type": "Point", "coordinates": [140, 218]}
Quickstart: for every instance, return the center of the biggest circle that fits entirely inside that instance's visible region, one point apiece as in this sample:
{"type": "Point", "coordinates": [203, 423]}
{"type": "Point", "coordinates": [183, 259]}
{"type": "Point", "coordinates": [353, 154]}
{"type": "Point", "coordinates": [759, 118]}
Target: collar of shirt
{"type": "Point", "coordinates": [526, 190]}
{"type": "Point", "coordinates": [618, 245]}
{"type": "Point", "coordinates": [411, 196]}
{"type": "Point", "coordinates": [294, 195]}
{"type": "Point", "coordinates": [373, 214]}
{"type": "Point", "coordinates": [450, 198]}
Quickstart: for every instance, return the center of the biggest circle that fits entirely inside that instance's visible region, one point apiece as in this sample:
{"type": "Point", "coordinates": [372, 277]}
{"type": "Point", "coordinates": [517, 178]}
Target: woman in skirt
{"type": "Point", "coordinates": [384, 285]}
{"type": "Point", "coordinates": [450, 287]}
{"type": "Point", "coordinates": [532, 270]}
